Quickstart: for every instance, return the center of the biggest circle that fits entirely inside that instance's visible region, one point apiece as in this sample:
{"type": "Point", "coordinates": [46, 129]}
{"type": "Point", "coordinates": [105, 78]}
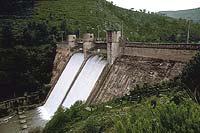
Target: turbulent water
{"type": "Point", "coordinates": [85, 81]}
{"type": "Point", "coordinates": [57, 95]}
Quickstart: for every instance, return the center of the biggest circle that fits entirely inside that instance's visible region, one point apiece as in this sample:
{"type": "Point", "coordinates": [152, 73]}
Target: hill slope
{"type": "Point", "coordinates": [86, 15]}
{"type": "Point", "coordinates": [192, 14]}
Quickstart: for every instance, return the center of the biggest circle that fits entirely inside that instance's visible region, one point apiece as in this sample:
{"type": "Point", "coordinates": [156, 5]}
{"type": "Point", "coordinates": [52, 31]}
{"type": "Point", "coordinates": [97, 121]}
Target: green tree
{"type": "Point", "coordinates": [7, 39]}
{"type": "Point", "coordinates": [191, 76]}
{"type": "Point", "coordinates": [16, 7]}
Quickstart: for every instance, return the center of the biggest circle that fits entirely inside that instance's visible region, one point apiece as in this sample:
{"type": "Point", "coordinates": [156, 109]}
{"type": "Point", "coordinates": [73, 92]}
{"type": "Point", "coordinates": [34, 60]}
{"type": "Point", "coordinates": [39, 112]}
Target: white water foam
{"type": "Point", "coordinates": [57, 95]}
{"type": "Point", "coordinates": [85, 81]}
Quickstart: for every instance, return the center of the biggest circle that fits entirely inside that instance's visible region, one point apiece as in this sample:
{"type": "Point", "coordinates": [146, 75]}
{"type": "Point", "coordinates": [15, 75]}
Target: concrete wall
{"type": "Point", "coordinates": [159, 53]}
{"type": "Point", "coordinates": [127, 72]}
{"type": "Point", "coordinates": [88, 37]}
{"type": "Point", "coordinates": [71, 41]}
{"type": "Point", "coordinates": [139, 64]}
{"type": "Point", "coordinates": [113, 46]}
{"type": "Point", "coordinates": [88, 43]}
{"type": "Point", "coordinates": [131, 64]}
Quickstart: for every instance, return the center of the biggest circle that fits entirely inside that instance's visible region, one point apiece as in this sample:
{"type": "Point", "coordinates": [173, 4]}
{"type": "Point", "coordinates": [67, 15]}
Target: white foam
{"type": "Point", "coordinates": [85, 81]}
{"type": "Point", "coordinates": [57, 95]}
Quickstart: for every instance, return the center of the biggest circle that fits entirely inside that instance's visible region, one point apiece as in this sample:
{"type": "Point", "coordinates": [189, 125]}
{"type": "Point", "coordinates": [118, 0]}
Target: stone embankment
{"type": "Point", "coordinates": [60, 61]}
{"type": "Point", "coordinates": [127, 72]}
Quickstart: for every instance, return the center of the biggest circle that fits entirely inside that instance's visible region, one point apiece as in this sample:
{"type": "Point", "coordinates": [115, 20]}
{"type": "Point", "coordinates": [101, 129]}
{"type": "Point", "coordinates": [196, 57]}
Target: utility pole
{"type": "Point", "coordinates": [188, 32]}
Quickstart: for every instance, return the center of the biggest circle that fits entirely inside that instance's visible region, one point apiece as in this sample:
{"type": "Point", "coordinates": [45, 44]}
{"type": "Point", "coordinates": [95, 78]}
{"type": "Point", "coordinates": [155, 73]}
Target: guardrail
{"type": "Point", "coordinates": [15, 104]}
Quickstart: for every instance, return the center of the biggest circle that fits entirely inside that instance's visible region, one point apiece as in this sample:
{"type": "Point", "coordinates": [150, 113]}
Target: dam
{"type": "Point", "coordinates": [98, 71]}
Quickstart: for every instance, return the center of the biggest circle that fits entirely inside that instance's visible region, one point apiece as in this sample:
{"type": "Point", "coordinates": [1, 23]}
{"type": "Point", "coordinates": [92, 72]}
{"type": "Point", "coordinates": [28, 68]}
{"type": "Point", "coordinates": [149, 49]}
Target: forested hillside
{"type": "Point", "coordinates": [27, 51]}
{"type": "Point", "coordinates": [79, 16]}
{"type": "Point", "coordinates": [26, 61]}
{"type": "Point", "coordinates": [191, 14]}
{"type": "Point", "coordinates": [28, 30]}
{"type": "Point", "coordinates": [16, 7]}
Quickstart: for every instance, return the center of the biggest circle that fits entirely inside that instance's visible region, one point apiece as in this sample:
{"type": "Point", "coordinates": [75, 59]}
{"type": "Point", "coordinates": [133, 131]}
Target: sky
{"type": "Point", "coordinates": [157, 5]}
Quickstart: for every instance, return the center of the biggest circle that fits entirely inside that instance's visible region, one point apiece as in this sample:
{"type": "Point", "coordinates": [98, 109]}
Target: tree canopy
{"type": "Point", "coordinates": [191, 76]}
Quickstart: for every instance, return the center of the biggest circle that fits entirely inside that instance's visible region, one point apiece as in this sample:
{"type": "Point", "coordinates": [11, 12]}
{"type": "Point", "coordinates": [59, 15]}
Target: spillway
{"type": "Point", "coordinates": [58, 93]}
{"type": "Point", "coordinates": [85, 82]}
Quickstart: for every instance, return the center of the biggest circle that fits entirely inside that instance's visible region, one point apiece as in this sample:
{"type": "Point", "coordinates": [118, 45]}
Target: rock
{"type": "Point", "coordinates": [24, 131]}
{"type": "Point", "coordinates": [22, 116]}
{"type": "Point", "coordinates": [22, 121]}
{"type": "Point", "coordinates": [110, 107]}
{"type": "Point", "coordinates": [88, 109]}
{"type": "Point", "coordinates": [24, 127]}
{"type": "Point", "coordinates": [20, 113]}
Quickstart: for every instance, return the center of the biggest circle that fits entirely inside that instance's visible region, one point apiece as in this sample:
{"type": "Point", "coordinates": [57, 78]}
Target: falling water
{"type": "Point", "coordinates": [61, 87]}
{"type": "Point", "coordinates": [85, 81]}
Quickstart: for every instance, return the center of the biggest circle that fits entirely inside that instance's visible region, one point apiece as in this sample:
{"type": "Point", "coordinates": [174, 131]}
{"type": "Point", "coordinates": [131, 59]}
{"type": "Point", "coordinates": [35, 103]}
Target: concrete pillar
{"type": "Point", "coordinates": [113, 45]}
{"type": "Point", "coordinates": [71, 41]}
{"type": "Point", "coordinates": [88, 43]}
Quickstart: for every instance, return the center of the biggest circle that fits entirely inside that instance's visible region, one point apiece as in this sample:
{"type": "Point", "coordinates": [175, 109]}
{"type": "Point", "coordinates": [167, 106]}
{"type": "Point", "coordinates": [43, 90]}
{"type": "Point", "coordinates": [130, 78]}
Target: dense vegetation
{"type": "Point", "coordinates": [26, 60]}
{"type": "Point", "coordinates": [16, 7]}
{"type": "Point", "coordinates": [81, 16]}
{"type": "Point", "coordinates": [191, 76]}
{"type": "Point", "coordinates": [164, 107]}
{"type": "Point", "coordinates": [191, 14]}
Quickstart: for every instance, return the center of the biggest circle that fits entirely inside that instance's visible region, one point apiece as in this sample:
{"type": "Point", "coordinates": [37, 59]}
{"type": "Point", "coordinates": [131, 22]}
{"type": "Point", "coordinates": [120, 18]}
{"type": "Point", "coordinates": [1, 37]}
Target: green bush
{"type": "Point", "coordinates": [191, 76]}
{"type": "Point", "coordinates": [166, 116]}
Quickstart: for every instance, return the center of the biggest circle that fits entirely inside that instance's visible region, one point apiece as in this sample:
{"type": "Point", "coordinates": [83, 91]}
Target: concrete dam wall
{"type": "Point", "coordinates": [80, 73]}
{"type": "Point", "coordinates": [179, 53]}
{"type": "Point", "coordinates": [129, 71]}
{"type": "Point", "coordinates": [132, 64]}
